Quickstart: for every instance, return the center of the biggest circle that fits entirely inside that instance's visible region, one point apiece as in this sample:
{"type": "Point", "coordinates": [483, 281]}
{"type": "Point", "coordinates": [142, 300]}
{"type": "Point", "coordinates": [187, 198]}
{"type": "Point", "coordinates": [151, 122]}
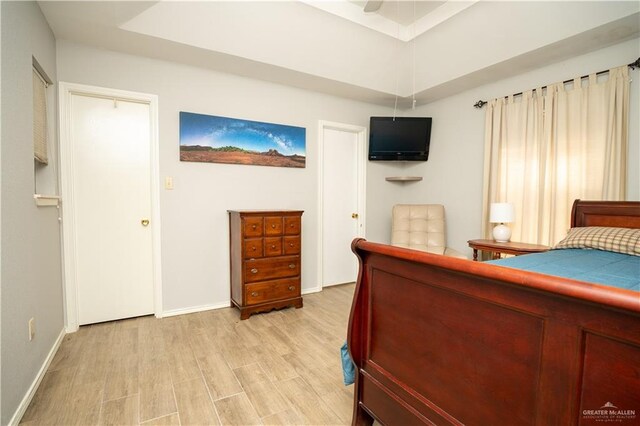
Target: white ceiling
{"type": "Point", "coordinates": [406, 12]}
{"type": "Point", "coordinates": [402, 19]}
{"type": "Point", "coordinates": [336, 48]}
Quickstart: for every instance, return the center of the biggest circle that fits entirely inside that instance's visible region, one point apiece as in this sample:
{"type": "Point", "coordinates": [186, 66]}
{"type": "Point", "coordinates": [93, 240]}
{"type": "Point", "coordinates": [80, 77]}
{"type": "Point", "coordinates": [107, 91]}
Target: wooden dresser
{"type": "Point", "coordinates": [265, 259]}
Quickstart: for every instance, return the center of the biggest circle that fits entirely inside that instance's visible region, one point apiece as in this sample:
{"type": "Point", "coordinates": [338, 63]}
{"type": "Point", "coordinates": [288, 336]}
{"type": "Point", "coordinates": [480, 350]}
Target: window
{"type": "Point", "coordinates": [40, 117]}
{"type": "Point", "coordinates": [45, 167]}
{"type": "Point", "coordinates": [550, 148]}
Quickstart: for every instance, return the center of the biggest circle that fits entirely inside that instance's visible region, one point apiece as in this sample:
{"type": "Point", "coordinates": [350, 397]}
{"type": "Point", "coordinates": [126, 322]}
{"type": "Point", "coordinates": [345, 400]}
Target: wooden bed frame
{"type": "Point", "coordinates": [440, 340]}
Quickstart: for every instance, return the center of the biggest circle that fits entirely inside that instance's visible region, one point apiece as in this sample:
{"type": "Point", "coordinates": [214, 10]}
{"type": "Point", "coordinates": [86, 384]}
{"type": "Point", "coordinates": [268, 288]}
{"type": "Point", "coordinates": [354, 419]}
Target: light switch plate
{"type": "Point", "coordinates": [168, 182]}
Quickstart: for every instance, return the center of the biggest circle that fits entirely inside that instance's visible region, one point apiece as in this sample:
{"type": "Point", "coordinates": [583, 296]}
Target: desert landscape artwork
{"type": "Point", "coordinates": [214, 139]}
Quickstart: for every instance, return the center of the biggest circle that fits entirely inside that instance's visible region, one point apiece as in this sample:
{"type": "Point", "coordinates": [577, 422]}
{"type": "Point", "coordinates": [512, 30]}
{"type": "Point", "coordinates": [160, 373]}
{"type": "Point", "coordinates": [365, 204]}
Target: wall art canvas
{"type": "Point", "coordinates": [214, 139]}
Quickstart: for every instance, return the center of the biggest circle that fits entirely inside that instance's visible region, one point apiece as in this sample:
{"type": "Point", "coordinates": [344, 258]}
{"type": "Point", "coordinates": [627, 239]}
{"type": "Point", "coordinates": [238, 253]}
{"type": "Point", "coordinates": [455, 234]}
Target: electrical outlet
{"type": "Point", "coordinates": [32, 329]}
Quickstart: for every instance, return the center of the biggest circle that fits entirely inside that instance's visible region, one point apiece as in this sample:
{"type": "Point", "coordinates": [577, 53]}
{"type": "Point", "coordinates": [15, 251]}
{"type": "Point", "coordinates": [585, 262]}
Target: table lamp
{"type": "Point", "coordinates": [501, 213]}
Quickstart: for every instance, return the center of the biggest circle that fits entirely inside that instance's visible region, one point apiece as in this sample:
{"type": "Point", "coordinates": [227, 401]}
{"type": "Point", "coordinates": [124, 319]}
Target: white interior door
{"type": "Point", "coordinates": [340, 202]}
{"type": "Point", "coordinates": [110, 143]}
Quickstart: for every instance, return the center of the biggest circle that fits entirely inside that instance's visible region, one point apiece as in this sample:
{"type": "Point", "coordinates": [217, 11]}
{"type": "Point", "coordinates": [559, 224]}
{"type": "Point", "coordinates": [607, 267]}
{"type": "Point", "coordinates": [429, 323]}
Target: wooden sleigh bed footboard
{"type": "Point", "coordinates": [439, 340]}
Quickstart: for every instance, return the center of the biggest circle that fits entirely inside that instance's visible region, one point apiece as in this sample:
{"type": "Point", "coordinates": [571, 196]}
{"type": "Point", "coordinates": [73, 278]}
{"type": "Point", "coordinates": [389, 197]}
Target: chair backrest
{"type": "Point", "coordinates": [419, 226]}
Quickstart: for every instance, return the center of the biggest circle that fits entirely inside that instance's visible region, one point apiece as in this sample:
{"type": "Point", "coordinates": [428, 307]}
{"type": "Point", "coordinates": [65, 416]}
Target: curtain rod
{"type": "Point", "coordinates": [632, 65]}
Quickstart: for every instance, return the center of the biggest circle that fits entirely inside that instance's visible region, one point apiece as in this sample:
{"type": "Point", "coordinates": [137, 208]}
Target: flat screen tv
{"type": "Point", "coordinates": [399, 139]}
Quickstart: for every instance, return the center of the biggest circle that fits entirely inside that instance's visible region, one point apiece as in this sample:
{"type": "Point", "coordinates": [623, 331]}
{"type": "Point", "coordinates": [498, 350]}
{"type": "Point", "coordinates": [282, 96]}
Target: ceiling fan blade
{"type": "Point", "coordinates": [372, 5]}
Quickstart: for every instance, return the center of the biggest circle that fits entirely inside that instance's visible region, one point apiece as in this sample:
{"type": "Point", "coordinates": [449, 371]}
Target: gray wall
{"type": "Point", "coordinates": [195, 233]}
{"type": "Point", "coordinates": [30, 240]}
{"type": "Point", "coordinates": [453, 175]}
{"type": "Point", "coordinates": [194, 222]}
{"type": "Point", "coordinates": [0, 217]}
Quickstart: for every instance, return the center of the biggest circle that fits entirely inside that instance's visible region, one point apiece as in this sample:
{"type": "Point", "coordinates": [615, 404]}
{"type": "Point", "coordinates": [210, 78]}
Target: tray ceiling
{"type": "Point", "coordinates": [451, 47]}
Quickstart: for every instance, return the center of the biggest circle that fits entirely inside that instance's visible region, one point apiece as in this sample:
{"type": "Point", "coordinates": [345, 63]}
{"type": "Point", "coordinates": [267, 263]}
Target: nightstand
{"type": "Point", "coordinates": [507, 248]}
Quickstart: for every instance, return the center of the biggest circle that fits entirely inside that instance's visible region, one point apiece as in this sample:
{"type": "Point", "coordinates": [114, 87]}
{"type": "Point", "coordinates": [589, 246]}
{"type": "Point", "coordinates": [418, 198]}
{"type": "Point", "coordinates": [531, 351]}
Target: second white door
{"type": "Point", "coordinates": [110, 142]}
{"type": "Point", "coordinates": [340, 214]}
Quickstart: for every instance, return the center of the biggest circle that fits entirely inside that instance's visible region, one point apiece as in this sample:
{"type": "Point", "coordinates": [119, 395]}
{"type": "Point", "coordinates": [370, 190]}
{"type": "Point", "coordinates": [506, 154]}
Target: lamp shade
{"type": "Point", "coordinates": [501, 213]}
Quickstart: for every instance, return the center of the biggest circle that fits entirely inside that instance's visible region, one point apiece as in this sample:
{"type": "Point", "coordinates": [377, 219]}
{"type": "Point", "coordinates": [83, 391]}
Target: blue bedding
{"type": "Point", "coordinates": [594, 266]}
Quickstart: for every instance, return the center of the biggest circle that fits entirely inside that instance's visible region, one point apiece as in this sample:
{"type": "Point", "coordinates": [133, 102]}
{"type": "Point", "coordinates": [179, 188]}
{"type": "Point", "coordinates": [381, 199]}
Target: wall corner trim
{"type": "Point", "coordinates": [24, 404]}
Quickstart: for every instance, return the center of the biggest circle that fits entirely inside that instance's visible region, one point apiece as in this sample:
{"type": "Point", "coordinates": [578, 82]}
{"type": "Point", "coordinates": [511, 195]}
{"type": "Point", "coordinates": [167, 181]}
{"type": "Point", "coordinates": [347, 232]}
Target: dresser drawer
{"type": "Point", "coordinates": [252, 248]}
{"type": "Point", "coordinates": [273, 246]}
{"type": "Point", "coordinates": [272, 290]}
{"type": "Point", "coordinates": [292, 225]}
{"type": "Point", "coordinates": [271, 268]}
{"type": "Point", "coordinates": [252, 226]}
{"type": "Point", "coordinates": [291, 245]}
{"type": "Point", "coordinates": [273, 225]}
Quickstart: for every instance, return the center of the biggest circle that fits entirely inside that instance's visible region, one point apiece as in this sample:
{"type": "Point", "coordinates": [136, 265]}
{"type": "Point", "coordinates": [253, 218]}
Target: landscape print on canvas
{"type": "Point", "coordinates": [214, 139]}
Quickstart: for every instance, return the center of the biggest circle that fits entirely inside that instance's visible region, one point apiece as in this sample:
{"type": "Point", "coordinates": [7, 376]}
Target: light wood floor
{"type": "Point", "coordinates": [277, 368]}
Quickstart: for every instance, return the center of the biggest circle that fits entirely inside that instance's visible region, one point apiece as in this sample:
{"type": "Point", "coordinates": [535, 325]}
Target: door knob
{"type": "Point", "coordinates": [354, 215]}
{"type": "Point", "coordinates": [144, 222]}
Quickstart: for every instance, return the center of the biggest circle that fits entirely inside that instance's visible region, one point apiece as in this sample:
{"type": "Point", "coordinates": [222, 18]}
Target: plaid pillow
{"type": "Point", "coordinates": [620, 240]}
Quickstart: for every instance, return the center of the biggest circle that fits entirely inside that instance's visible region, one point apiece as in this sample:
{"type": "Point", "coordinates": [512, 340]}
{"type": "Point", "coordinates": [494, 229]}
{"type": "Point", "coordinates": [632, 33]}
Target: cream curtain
{"type": "Point", "coordinates": [547, 148]}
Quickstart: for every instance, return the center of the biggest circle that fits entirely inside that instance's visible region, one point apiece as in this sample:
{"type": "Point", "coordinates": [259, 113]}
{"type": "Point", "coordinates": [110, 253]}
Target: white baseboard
{"type": "Point", "coordinates": [24, 404]}
{"type": "Point", "coordinates": [194, 309]}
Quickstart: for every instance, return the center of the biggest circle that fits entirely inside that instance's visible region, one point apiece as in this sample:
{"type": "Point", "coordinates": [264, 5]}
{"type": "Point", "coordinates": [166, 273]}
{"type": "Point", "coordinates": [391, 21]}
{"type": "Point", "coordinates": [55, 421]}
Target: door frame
{"type": "Point", "coordinates": [66, 90]}
{"type": "Point", "coordinates": [361, 174]}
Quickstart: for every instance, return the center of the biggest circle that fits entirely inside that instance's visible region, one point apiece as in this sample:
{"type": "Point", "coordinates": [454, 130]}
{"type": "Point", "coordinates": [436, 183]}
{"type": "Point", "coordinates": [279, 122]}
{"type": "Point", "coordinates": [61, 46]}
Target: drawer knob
{"type": "Point", "coordinates": [290, 244]}
{"type": "Point", "coordinates": [253, 226]}
{"type": "Point", "coordinates": [253, 248]}
{"type": "Point", "coordinates": [273, 246]}
{"type": "Point", "coordinates": [291, 288]}
{"type": "Point", "coordinates": [254, 271]}
{"type": "Point", "coordinates": [254, 294]}
{"type": "Point", "coordinates": [273, 225]}
{"type": "Point", "coordinates": [292, 265]}
{"type": "Point", "coordinates": [291, 226]}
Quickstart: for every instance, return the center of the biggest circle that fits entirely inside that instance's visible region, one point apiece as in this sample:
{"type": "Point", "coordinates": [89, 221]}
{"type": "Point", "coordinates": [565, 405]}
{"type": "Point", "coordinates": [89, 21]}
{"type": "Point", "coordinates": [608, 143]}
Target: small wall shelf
{"type": "Point", "coordinates": [403, 178]}
{"type": "Point", "coordinates": [46, 200]}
